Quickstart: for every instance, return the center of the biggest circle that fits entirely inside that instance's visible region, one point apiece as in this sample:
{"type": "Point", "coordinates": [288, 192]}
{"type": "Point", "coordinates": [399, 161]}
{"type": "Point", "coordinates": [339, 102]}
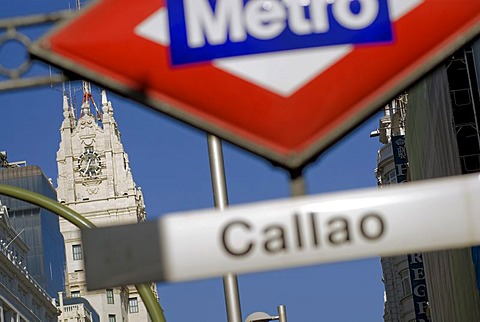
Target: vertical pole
{"type": "Point", "coordinates": [282, 313]}
{"type": "Point", "coordinates": [217, 170]}
{"type": "Point", "coordinates": [297, 183]}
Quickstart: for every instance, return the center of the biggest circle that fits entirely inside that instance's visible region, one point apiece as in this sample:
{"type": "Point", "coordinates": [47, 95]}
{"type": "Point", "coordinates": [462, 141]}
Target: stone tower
{"type": "Point", "coordinates": [94, 179]}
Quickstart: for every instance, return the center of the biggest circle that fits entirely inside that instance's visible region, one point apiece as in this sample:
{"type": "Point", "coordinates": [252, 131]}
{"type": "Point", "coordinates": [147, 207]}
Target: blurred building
{"type": "Point", "coordinates": [94, 179]}
{"type": "Point", "coordinates": [439, 128]}
{"type": "Point", "coordinates": [76, 309]}
{"type": "Point", "coordinates": [403, 276]}
{"type": "Point", "coordinates": [21, 297]}
{"type": "Point", "coordinates": [38, 227]}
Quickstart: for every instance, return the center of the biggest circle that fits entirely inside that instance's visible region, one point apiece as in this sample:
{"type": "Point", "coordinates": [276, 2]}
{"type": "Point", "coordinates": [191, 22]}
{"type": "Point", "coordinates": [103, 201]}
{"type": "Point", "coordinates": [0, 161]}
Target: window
{"type": "Point", "coordinates": [112, 318]}
{"type": "Point", "coordinates": [110, 296]}
{"type": "Point", "coordinates": [133, 305]}
{"type": "Point", "coordinates": [77, 252]}
{"type": "Point", "coordinates": [390, 177]}
{"type": "Point", "coordinates": [406, 285]}
{"type": "Point", "coordinates": [75, 294]}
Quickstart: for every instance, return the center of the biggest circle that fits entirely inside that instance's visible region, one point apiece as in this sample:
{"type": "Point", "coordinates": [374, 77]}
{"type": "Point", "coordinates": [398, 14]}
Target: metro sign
{"type": "Point", "coordinates": [281, 78]}
{"type": "Point", "coordinates": [236, 28]}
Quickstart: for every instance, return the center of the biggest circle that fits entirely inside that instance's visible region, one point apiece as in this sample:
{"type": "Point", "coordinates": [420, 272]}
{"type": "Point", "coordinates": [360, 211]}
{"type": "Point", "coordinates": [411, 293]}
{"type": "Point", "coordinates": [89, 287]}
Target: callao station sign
{"type": "Point", "coordinates": [288, 233]}
{"type": "Point", "coordinates": [282, 78]}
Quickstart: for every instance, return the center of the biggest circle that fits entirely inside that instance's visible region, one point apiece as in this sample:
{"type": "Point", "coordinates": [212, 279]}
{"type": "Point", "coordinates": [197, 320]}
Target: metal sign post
{"type": "Point", "coordinates": [220, 197]}
{"type": "Point", "coordinates": [297, 183]}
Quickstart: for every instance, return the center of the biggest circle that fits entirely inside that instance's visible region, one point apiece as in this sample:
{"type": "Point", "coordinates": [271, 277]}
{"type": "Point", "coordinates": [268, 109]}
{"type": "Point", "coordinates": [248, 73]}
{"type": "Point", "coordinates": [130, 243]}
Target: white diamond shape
{"type": "Point", "coordinates": [282, 73]}
{"type": "Point", "coordinates": [155, 28]}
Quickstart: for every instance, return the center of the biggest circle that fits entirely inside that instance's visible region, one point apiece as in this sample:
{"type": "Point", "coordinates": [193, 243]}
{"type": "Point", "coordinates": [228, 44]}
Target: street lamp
{"type": "Point", "coordinates": [264, 317]}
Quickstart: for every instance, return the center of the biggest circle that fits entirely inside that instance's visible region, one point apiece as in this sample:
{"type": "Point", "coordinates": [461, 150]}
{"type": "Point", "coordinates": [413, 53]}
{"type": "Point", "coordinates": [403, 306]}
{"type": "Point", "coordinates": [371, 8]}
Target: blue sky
{"type": "Point", "coordinates": [169, 161]}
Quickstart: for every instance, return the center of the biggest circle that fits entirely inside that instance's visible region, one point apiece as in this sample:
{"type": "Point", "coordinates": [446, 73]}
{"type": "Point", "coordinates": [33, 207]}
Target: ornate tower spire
{"type": "Point", "coordinates": [87, 96]}
{"type": "Point", "coordinates": [87, 99]}
{"type": "Point", "coordinates": [95, 179]}
{"type": "Point", "coordinates": [106, 105]}
{"type": "Point", "coordinates": [104, 98]}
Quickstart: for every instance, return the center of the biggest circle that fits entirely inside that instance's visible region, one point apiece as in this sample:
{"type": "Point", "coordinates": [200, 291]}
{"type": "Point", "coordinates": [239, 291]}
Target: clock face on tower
{"type": "Point", "coordinates": [89, 164]}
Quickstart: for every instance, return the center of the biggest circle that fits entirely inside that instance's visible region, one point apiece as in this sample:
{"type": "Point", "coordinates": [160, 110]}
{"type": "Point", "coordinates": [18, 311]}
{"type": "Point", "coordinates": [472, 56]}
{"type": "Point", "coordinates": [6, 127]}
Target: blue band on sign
{"type": "Point", "coordinates": [203, 30]}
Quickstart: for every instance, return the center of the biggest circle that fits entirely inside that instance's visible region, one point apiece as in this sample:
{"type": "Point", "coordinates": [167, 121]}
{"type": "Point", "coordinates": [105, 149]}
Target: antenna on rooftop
{"type": "Point", "coordinates": [72, 90]}
{"type": "Point", "coordinates": [87, 98]}
{"type": "Point", "coordinates": [6, 247]}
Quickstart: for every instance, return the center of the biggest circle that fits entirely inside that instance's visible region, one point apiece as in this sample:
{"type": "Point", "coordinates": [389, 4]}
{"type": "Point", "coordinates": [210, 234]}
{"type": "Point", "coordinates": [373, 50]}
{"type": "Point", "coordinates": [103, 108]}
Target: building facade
{"type": "Point", "coordinates": [442, 138]}
{"type": "Point", "coordinates": [76, 309]}
{"type": "Point", "coordinates": [38, 227]}
{"type": "Point", "coordinates": [22, 299]}
{"type": "Point", "coordinates": [406, 298]}
{"type": "Point", "coordinates": [94, 179]}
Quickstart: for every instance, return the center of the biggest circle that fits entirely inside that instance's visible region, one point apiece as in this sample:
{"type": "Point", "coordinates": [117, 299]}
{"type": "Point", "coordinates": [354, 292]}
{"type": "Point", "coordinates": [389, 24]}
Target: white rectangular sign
{"type": "Point", "coordinates": [430, 215]}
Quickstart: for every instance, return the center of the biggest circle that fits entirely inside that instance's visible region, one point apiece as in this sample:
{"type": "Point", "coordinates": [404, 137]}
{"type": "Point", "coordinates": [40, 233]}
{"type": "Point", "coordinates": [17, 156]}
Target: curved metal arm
{"type": "Point", "coordinates": [153, 307]}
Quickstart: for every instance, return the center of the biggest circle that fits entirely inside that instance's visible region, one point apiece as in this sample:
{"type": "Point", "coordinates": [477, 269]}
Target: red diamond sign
{"type": "Point", "coordinates": [281, 78]}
